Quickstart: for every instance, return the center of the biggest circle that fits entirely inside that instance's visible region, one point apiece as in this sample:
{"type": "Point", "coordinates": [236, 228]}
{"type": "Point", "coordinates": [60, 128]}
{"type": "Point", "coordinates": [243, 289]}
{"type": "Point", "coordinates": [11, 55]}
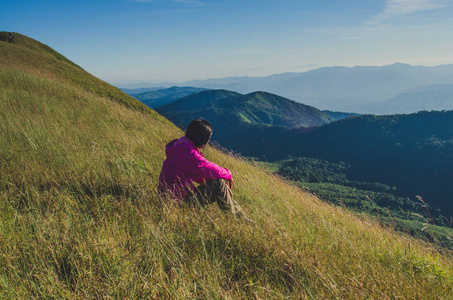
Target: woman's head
{"type": "Point", "coordinates": [199, 132]}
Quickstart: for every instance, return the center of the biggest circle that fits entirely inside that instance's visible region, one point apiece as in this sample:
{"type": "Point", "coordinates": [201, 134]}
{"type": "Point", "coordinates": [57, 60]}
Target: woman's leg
{"type": "Point", "coordinates": [215, 191]}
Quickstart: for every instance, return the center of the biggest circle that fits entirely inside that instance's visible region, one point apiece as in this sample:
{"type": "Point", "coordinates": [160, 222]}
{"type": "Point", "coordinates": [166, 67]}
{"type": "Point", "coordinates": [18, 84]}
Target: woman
{"type": "Point", "coordinates": [185, 165]}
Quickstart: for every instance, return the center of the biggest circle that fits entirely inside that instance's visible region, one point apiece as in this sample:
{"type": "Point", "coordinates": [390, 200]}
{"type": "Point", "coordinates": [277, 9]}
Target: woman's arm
{"type": "Point", "coordinates": [194, 163]}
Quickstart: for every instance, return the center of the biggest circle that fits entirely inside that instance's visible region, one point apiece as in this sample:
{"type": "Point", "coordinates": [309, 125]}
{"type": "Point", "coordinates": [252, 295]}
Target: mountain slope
{"type": "Point", "coordinates": [40, 60]}
{"type": "Point", "coordinates": [80, 216]}
{"type": "Point", "coordinates": [30, 44]}
{"type": "Point", "coordinates": [228, 109]}
{"type": "Point", "coordinates": [432, 97]}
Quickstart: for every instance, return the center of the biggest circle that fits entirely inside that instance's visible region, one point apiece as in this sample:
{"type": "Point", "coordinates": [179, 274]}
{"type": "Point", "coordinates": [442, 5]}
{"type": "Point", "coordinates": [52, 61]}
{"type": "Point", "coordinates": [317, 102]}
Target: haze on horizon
{"type": "Point", "coordinates": [129, 41]}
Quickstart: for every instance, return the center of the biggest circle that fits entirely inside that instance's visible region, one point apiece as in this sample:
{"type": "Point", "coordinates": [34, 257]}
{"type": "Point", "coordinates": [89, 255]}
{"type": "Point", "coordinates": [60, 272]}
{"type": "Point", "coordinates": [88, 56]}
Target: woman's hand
{"type": "Point", "coordinates": [231, 183]}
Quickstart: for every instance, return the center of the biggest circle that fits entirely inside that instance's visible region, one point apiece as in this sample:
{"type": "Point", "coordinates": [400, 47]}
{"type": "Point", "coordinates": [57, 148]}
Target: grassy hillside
{"type": "Point", "coordinates": [80, 218]}
{"type": "Point", "coordinates": [40, 60]}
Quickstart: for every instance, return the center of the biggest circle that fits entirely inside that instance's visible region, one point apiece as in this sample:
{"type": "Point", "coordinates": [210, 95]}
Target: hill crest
{"type": "Point", "coordinates": [30, 56]}
{"type": "Point", "coordinates": [20, 40]}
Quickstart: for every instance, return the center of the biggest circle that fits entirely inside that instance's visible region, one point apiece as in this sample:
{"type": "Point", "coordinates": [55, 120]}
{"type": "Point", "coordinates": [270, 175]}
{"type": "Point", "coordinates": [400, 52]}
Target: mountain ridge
{"type": "Point", "coordinates": [223, 107]}
{"type": "Point", "coordinates": [360, 89]}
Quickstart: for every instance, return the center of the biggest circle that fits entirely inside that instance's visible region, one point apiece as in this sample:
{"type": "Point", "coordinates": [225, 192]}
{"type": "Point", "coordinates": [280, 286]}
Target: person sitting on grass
{"type": "Point", "coordinates": [185, 165]}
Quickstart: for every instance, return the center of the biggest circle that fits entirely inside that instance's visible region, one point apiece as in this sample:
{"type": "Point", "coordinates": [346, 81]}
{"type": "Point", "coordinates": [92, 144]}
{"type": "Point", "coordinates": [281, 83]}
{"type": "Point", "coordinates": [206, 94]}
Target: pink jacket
{"type": "Point", "coordinates": [185, 164]}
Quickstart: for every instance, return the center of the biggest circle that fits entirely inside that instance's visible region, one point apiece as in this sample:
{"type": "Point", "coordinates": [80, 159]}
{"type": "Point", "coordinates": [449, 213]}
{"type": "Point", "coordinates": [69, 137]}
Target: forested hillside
{"type": "Point", "coordinates": [413, 152]}
{"type": "Point", "coordinates": [230, 111]}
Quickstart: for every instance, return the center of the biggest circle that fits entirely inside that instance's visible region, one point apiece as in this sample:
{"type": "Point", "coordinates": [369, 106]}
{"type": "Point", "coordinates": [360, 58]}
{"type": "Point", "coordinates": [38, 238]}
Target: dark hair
{"type": "Point", "coordinates": [199, 132]}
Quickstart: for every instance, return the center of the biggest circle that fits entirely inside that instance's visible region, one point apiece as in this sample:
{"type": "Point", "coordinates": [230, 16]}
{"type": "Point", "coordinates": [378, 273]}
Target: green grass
{"type": "Point", "coordinates": [80, 217]}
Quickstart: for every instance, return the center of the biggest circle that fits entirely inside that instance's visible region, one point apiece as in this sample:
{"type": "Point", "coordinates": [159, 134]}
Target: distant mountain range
{"type": "Point", "coordinates": [228, 110]}
{"type": "Point", "coordinates": [391, 89]}
{"type": "Point", "coordinates": [433, 97]}
{"type": "Point", "coordinates": [136, 91]}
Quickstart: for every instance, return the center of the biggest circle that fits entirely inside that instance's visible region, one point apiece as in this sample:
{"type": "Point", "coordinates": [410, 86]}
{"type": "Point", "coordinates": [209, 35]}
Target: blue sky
{"type": "Point", "coordinates": [127, 41]}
